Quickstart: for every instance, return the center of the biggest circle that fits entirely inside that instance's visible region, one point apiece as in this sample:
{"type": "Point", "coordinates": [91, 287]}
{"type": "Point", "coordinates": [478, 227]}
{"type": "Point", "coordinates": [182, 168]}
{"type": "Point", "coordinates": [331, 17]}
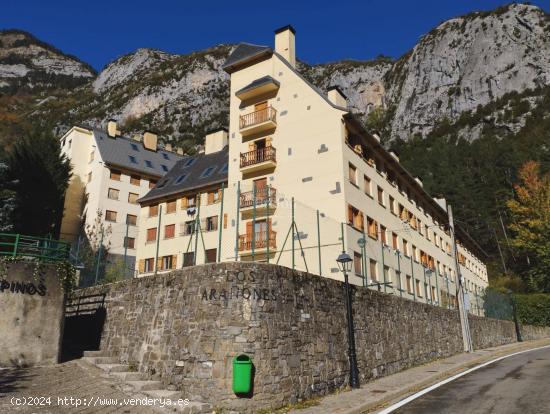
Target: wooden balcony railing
{"type": "Point", "coordinates": [261, 241]}
{"type": "Point", "coordinates": [263, 195]}
{"type": "Point", "coordinates": [258, 156]}
{"type": "Point", "coordinates": [258, 117]}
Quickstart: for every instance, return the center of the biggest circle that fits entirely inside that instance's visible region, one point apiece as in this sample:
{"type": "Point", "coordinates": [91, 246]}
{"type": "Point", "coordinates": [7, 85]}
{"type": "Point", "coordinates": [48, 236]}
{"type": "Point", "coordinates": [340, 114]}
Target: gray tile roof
{"type": "Point", "coordinates": [130, 154]}
{"type": "Point", "coordinates": [189, 174]}
{"type": "Point", "coordinates": [264, 80]}
{"type": "Point", "coordinates": [245, 52]}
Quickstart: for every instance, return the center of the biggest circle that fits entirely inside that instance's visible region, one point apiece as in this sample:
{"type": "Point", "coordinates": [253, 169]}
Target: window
{"type": "Point", "coordinates": [208, 172]}
{"type": "Point", "coordinates": [405, 248]}
{"type": "Point", "coordinates": [149, 265]}
{"type": "Point", "coordinates": [132, 159]}
{"type": "Point", "coordinates": [395, 241]}
{"type": "Point", "coordinates": [409, 285]}
{"type": "Point", "coordinates": [115, 175]}
{"type": "Point", "coordinates": [210, 255]}
{"type": "Point", "coordinates": [171, 206]}
{"type": "Point", "coordinates": [352, 174]}
{"type": "Point", "coordinates": [164, 168]}
{"type": "Point", "coordinates": [131, 219]}
{"type": "Point", "coordinates": [169, 231]}
{"type": "Point", "coordinates": [358, 263]}
{"type": "Point", "coordinates": [110, 215]}
{"type": "Point", "coordinates": [165, 156]}
{"type": "Point", "coordinates": [188, 259]}
{"type": "Point", "coordinates": [415, 253]}
{"type": "Point", "coordinates": [392, 205]}
{"type": "Point", "coordinates": [387, 274]}
{"type": "Point", "coordinates": [113, 193]}
{"type": "Point", "coordinates": [418, 290]}
{"type": "Point", "coordinates": [153, 210]}
{"type": "Point", "coordinates": [372, 228]}
{"type": "Point", "coordinates": [380, 196]}
{"type": "Point", "coordinates": [355, 218]}
{"type": "Point", "coordinates": [189, 162]}
{"type": "Point", "coordinates": [181, 178]}
{"type": "Point", "coordinates": [148, 163]}
{"type": "Point", "coordinates": [135, 180]}
{"type": "Point", "coordinates": [168, 262]}
{"type": "Point", "coordinates": [420, 228]}
{"type": "Point", "coordinates": [89, 177]}
{"type": "Point", "coordinates": [70, 142]}
{"type": "Point", "coordinates": [152, 183]}
{"type": "Point", "coordinates": [373, 268]}
{"type": "Point", "coordinates": [434, 294]}
{"type": "Point", "coordinates": [224, 169]}
{"type": "Point", "coordinates": [188, 201]}
{"type": "Point", "coordinates": [211, 223]}
{"type": "Point", "coordinates": [151, 234]}
{"type": "Point", "coordinates": [134, 147]}
{"type": "Point", "coordinates": [188, 228]}
{"type": "Point", "coordinates": [92, 154]}
{"type": "Point", "coordinates": [367, 186]}
{"type": "Point", "coordinates": [129, 242]}
{"type": "Point", "coordinates": [383, 235]}
{"type": "Point", "coordinates": [215, 196]}
{"type": "Point", "coordinates": [132, 198]}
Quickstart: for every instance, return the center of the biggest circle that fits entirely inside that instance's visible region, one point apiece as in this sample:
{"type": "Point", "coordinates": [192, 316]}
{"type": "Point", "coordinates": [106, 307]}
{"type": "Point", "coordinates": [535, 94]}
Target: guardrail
{"type": "Point", "coordinates": [43, 249]}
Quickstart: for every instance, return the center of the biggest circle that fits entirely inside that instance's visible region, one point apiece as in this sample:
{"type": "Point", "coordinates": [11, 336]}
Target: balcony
{"type": "Point", "coordinates": [265, 197]}
{"type": "Point", "coordinates": [260, 87]}
{"type": "Point", "coordinates": [258, 121]}
{"type": "Point", "coordinates": [262, 241]}
{"type": "Point", "coordinates": [260, 159]}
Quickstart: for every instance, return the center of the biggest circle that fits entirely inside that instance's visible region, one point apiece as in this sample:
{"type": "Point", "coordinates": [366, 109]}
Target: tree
{"type": "Point", "coordinates": [7, 200]}
{"type": "Point", "coordinates": [40, 174]}
{"type": "Point", "coordinates": [530, 226]}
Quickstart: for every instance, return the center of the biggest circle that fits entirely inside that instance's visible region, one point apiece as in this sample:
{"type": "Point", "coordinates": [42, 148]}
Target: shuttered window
{"type": "Point", "coordinates": [169, 231]}
{"type": "Point", "coordinates": [171, 206]}
{"type": "Point", "coordinates": [154, 210]}
{"type": "Point", "coordinates": [151, 234]}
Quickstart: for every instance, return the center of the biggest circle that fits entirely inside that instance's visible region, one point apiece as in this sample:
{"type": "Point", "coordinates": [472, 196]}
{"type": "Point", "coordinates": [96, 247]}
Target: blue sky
{"type": "Point", "coordinates": [100, 31]}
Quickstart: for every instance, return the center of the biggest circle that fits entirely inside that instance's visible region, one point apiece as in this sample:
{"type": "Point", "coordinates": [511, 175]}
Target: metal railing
{"type": "Point", "coordinates": [258, 156]}
{"type": "Point", "coordinates": [258, 117]}
{"type": "Point", "coordinates": [261, 240]}
{"type": "Point", "coordinates": [263, 195]}
{"type": "Point", "coordinates": [43, 249]}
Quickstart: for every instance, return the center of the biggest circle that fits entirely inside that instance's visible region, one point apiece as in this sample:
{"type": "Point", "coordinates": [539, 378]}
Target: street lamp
{"type": "Point", "coordinates": [344, 264]}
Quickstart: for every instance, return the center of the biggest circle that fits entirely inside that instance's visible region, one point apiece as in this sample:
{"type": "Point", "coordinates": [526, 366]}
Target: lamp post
{"type": "Point", "coordinates": [344, 264]}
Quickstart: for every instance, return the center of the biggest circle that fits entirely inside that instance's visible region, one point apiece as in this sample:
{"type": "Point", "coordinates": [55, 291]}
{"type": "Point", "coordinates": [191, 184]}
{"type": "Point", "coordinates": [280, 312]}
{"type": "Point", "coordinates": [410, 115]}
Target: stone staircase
{"type": "Point", "coordinates": [135, 383]}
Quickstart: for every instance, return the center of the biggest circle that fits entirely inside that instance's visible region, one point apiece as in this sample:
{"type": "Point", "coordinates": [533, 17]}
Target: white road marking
{"type": "Point", "coordinates": [413, 397]}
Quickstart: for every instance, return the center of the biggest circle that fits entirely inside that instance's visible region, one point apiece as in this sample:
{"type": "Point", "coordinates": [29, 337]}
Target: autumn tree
{"type": "Point", "coordinates": [530, 225]}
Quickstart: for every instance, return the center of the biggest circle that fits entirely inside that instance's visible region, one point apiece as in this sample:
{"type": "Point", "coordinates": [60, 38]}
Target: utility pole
{"type": "Point", "coordinates": [464, 323]}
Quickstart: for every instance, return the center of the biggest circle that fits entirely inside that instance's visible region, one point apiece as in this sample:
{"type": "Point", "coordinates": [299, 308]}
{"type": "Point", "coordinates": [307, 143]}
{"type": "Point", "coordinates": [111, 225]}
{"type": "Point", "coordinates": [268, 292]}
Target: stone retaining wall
{"type": "Point", "coordinates": [185, 327]}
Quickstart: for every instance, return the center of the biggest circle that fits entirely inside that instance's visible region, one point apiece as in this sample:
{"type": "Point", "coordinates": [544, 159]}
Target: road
{"type": "Point", "coordinates": [516, 385]}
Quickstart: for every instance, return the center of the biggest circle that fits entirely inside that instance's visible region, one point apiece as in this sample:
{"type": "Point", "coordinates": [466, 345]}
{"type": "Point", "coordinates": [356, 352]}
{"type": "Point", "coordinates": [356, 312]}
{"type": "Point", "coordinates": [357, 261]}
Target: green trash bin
{"type": "Point", "coordinates": [242, 374]}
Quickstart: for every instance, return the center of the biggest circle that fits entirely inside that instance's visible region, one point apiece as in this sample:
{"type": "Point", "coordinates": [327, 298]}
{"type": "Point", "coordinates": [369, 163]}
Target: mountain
{"type": "Point", "coordinates": [28, 64]}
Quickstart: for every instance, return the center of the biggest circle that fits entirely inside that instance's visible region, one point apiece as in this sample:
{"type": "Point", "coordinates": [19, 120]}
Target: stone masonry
{"type": "Point", "coordinates": [184, 328]}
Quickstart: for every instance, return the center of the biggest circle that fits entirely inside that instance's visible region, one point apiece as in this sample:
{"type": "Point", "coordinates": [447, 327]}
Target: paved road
{"type": "Point", "coordinates": [516, 385]}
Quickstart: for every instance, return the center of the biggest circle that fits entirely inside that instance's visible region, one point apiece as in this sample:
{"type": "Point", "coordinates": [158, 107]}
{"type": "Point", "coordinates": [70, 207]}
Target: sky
{"type": "Point", "coordinates": [100, 31]}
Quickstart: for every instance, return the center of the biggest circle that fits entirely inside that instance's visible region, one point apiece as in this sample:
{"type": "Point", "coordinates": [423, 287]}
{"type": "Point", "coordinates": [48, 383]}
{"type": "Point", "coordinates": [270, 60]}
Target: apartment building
{"type": "Point", "coordinates": [110, 173]}
{"type": "Point", "coordinates": [289, 143]}
{"type": "Point", "coordinates": [183, 213]}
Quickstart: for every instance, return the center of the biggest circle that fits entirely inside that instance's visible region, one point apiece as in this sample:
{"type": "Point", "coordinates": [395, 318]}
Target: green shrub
{"type": "Point", "coordinates": [534, 309]}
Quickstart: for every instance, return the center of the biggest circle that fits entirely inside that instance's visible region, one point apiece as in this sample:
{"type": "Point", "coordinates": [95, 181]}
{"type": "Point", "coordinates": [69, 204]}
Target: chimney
{"type": "Point", "coordinates": [150, 140]}
{"type": "Point", "coordinates": [112, 128]}
{"type": "Point", "coordinates": [419, 181]}
{"type": "Point", "coordinates": [137, 137]}
{"type": "Point", "coordinates": [285, 44]}
{"type": "Point", "coordinates": [168, 147]}
{"type": "Point", "coordinates": [215, 141]}
{"type": "Point", "coordinates": [337, 97]}
{"type": "Point", "coordinates": [179, 151]}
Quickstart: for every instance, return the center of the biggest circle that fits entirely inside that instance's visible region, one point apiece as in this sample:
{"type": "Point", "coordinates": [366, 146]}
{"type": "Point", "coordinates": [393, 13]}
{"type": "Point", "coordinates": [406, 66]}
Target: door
{"type": "Point", "coordinates": [261, 187]}
{"type": "Point", "coordinates": [260, 112]}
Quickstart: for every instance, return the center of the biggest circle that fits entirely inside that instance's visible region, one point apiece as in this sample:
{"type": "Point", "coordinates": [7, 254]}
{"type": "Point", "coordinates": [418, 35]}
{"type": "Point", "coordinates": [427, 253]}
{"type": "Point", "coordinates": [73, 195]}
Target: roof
{"type": "Point", "coordinates": [244, 53]}
{"type": "Point", "coordinates": [191, 173]}
{"type": "Point", "coordinates": [130, 154]}
{"type": "Point", "coordinates": [264, 80]}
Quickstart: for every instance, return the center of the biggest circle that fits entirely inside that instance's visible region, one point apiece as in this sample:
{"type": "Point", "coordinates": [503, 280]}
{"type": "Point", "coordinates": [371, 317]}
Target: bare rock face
{"type": "Point", "coordinates": [27, 64]}
{"type": "Point", "coordinates": [466, 62]}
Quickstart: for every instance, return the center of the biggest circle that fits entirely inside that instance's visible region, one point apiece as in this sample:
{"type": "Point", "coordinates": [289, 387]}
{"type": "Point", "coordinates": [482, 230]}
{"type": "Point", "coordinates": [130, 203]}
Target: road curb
{"type": "Point", "coordinates": [404, 392]}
